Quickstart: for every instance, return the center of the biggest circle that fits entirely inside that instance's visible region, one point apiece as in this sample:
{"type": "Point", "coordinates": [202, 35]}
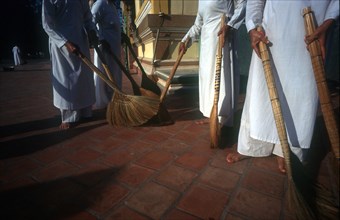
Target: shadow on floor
{"type": "Point", "coordinates": [29, 137]}
{"type": "Point", "coordinates": [57, 199]}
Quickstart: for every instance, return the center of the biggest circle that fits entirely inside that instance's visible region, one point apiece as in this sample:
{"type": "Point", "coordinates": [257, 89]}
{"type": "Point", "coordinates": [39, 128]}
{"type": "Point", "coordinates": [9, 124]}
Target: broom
{"type": "Point", "coordinates": [214, 123]}
{"type": "Point", "coordinates": [125, 110]}
{"type": "Point", "coordinates": [320, 78]}
{"type": "Point", "coordinates": [146, 83]}
{"type": "Point", "coordinates": [307, 199]}
{"type": "Point", "coordinates": [163, 117]}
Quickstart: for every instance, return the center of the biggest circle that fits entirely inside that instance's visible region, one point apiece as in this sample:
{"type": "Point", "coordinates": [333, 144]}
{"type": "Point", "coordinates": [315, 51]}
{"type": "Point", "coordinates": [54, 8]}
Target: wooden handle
{"type": "Point", "coordinates": [320, 78]}
{"type": "Point", "coordinates": [218, 63]}
{"type": "Point", "coordinates": [172, 73]}
{"type": "Point", "coordinates": [97, 71]}
{"type": "Point", "coordinates": [275, 103]}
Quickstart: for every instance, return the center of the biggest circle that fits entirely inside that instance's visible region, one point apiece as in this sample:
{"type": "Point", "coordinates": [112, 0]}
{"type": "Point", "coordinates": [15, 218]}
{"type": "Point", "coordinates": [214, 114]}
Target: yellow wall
{"type": "Point", "coordinates": [177, 7]}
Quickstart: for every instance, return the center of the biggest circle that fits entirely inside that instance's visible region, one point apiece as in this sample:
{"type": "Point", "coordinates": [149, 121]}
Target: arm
{"type": "Point", "coordinates": [239, 14]}
{"type": "Point", "coordinates": [193, 33]}
{"type": "Point", "coordinates": [48, 23]}
{"type": "Point", "coordinates": [254, 15]}
{"type": "Point", "coordinates": [236, 19]}
{"type": "Point", "coordinates": [320, 33]}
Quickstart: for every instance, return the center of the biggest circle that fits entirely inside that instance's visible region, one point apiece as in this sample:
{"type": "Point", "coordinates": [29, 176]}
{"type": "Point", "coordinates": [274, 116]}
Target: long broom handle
{"type": "Point", "coordinates": [97, 71]}
{"type": "Point", "coordinates": [275, 103]}
{"type": "Point", "coordinates": [126, 40]}
{"type": "Point", "coordinates": [218, 71]}
{"type": "Point", "coordinates": [218, 66]}
{"type": "Point", "coordinates": [104, 63]}
{"type": "Point", "coordinates": [125, 71]}
{"type": "Point", "coordinates": [320, 78]}
{"type": "Point", "coordinates": [172, 73]}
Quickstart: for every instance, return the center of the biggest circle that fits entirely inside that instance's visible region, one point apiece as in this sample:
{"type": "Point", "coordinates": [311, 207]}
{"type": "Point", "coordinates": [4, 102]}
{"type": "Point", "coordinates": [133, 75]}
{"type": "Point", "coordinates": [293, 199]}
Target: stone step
{"type": "Point", "coordinates": [185, 79]}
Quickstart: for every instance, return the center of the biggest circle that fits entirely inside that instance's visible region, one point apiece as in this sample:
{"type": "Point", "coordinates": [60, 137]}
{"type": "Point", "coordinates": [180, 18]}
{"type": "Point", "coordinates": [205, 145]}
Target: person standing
{"type": "Point", "coordinates": [17, 55]}
{"type": "Point", "coordinates": [283, 26]}
{"type": "Point", "coordinates": [106, 18]}
{"type": "Point", "coordinates": [70, 28]}
{"type": "Point", "coordinates": [207, 27]}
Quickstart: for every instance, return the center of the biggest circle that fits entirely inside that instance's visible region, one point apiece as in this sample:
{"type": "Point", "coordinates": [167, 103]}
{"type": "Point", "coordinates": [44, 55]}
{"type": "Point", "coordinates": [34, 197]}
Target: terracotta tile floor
{"type": "Point", "coordinates": [95, 171]}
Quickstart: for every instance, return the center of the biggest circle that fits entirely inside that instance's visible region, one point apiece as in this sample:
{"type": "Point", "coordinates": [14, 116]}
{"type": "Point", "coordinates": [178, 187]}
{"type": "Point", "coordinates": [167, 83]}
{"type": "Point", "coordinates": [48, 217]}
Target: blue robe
{"type": "Point", "coordinates": [73, 86]}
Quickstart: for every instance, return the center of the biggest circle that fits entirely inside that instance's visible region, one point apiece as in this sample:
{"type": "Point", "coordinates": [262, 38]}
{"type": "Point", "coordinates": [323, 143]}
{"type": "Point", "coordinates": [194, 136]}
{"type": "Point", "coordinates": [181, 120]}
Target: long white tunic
{"type": "Point", "coordinates": [106, 18]}
{"type": "Point", "coordinates": [16, 55]}
{"type": "Point", "coordinates": [64, 20]}
{"type": "Point", "coordinates": [292, 68]}
{"type": "Point", "coordinates": [207, 25]}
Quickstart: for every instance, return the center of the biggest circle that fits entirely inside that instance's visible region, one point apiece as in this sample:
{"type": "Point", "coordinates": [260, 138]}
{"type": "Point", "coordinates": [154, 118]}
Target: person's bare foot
{"type": "Point", "coordinates": [235, 157]}
{"type": "Point", "coordinates": [202, 121]}
{"type": "Point", "coordinates": [64, 126]}
{"type": "Point", "coordinates": [281, 164]}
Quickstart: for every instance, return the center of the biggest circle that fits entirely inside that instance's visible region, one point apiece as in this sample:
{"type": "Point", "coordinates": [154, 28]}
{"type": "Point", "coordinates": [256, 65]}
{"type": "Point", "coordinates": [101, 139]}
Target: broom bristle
{"type": "Point", "coordinates": [214, 128]}
{"type": "Point", "coordinates": [306, 198]}
{"type": "Point", "coordinates": [129, 111]}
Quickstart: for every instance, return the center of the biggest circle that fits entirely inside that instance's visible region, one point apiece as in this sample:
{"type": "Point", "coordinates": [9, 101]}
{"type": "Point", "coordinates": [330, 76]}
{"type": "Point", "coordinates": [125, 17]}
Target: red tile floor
{"type": "Point", "coordinates": [95, 171]}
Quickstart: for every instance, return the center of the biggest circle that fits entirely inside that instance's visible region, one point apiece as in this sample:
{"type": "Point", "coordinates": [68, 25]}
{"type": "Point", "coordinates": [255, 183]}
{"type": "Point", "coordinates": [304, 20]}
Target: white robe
{"type": "Point", "coordinates": [207, 25]}
{"type": "Point", "coordinates": [292, 68]}
{"type": "Point", "coordinates": [16, 56]}
{"type": "Point", "coordinates": [106, 18]}
{"type": "Point", "coordinates": [73, 86]}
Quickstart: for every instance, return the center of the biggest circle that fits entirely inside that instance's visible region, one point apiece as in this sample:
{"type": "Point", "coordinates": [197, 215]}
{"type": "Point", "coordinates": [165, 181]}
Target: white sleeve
{"type": "Point", "coordinates": [48, 19]}
{"type": "Point", "coordinates": [332, 11]}
{"type": "Point", "coordinates": [239, 14]}
{"type": "Point", "coordinates": [195, 30]}
{"type": "Point", "coordinates": [254, 13]}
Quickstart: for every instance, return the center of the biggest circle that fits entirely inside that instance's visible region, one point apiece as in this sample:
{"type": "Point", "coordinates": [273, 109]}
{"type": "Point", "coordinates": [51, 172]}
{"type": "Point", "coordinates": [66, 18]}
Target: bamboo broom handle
{"type": "Point", "coordinates": [173, 71]}
{"type": "Point", "coordinates": [275, 103]}
{"type": "Point", "coordinates": [218, 66]}
{"type": "Point", "coordinates": [97, 71]}
{"type": "Point", "coordinates": [320, 78]}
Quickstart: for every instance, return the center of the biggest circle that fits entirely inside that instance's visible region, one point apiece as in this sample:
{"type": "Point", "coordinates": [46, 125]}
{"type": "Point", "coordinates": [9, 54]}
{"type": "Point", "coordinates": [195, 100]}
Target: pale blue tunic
{"type": "Point", "coordinates": [292, 68]}
{"type": "Point", "coordinates": [106, 18]}
{"type": "Point", "coordinates": [65, 20]}
{"type": "Point", "coordinates": [206, 26]}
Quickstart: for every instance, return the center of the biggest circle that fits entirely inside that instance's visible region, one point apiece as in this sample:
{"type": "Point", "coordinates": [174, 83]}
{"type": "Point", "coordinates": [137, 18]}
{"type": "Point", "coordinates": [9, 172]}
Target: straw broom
{"type": "Point", "coordinates": [305, 198]}
{"type": "Point", "coordinates": [214, 123]}
{"type": "Point", "coordinates": [320, 78]}
{"type": "Point", "coordinates": [125, 110]}
{"type": "Point", "coordinates": [162, 117]}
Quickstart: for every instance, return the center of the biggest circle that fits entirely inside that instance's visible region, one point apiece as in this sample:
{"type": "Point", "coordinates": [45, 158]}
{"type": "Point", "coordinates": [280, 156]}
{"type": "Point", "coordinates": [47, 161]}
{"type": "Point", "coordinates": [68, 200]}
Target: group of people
{"type": "Point", "coordinates": [284, 31]}
{"type": "Point", "coordinates": [70, 24]}
{"type": "Point", "coordinates": [73, 27]}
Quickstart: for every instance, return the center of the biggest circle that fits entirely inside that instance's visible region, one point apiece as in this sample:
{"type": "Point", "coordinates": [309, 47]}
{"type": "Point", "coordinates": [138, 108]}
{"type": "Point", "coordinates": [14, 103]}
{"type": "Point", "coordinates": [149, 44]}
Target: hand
{"type": "Point", "coordinates": [320, 34]}
{"type": "Point", "coordinates": [72, 48]}
{"type": "Point", "coordinates": [223, 32]}
{"type": "Point", "coordinates": [93, 38]}
{"type": "Point", "coordinates": [255, 38]}
{"type": "Point", "coordinates": [182, 47]}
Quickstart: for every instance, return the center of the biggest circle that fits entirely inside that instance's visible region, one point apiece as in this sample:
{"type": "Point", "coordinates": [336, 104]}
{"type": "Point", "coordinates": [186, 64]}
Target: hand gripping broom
{"type": "Point", "coordinates": [125, 110]}
{"type": "Point", "coordinates": [304, 196]}
{"type": "Point", "coordinates": [214, 123]}
{"type": "Point", "coordinates": [320, 78]}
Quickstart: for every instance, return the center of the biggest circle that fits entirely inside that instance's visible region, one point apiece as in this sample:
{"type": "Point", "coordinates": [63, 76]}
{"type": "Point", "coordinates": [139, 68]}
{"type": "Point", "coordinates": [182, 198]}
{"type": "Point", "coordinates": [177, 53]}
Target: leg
{"type": "Point", "coordinates": [68, 117]}
{"type": "Point", "coordinates": [234, 157]}
{"type": "Point", "coordinates": [202, 121]}
{"type": "Point", "coordinates": [281, 164]}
